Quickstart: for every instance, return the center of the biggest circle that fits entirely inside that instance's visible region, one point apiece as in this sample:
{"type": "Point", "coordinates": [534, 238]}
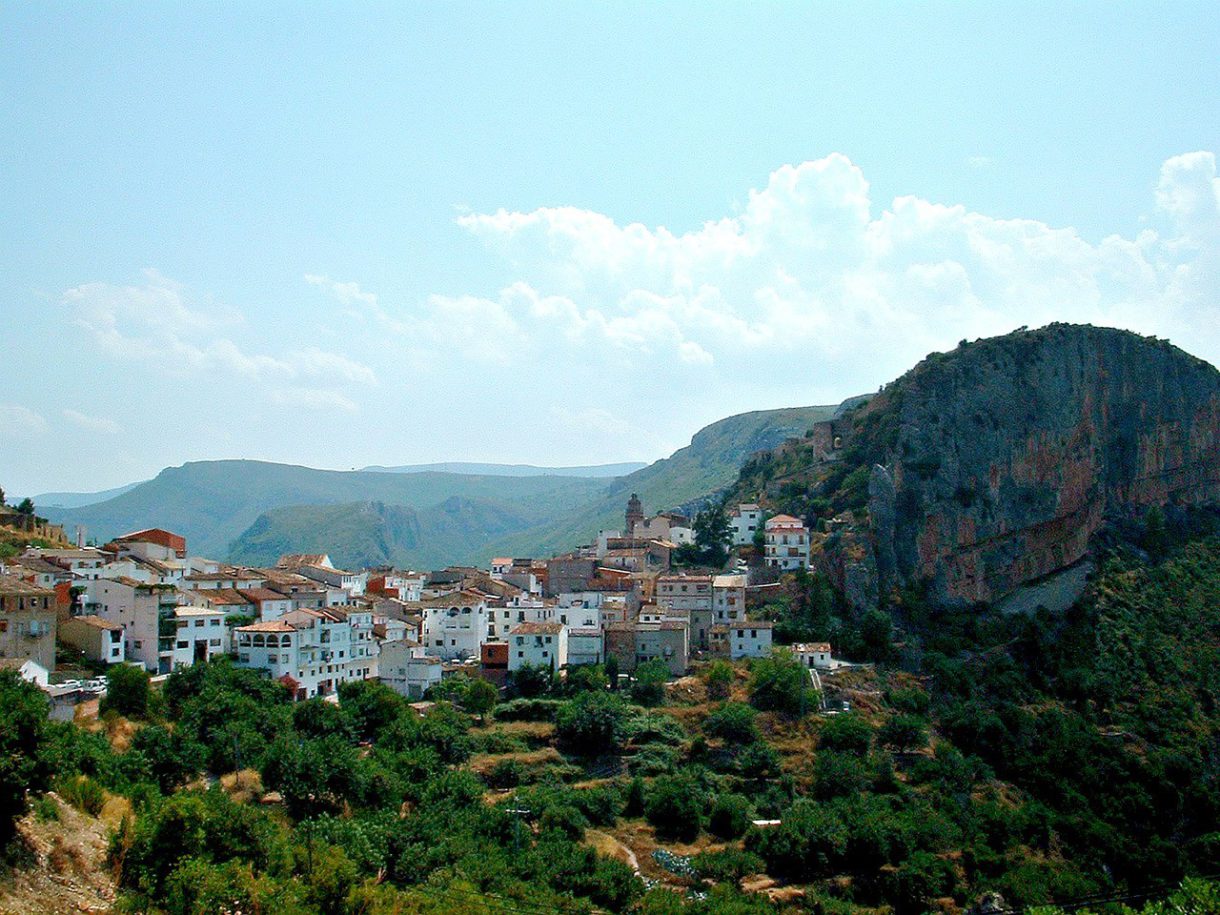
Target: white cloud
{"type": "Point", "coordinates": [812, 292]}
{"type": "Point", "coordinates": [93, 423]}
{"type": "Point", "coordinates": [156, 324]}
{"type": "Point", "coordinates": [312, 399]}
{"type": "Point", "coordinates": [809, 273]}
{"type": "Point", "coordinates": [17, 421]}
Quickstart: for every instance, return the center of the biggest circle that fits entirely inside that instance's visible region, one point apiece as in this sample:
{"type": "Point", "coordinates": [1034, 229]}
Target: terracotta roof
{"type": "Point", "coordinates": [266, 626]}
{"type": "Point", "coordinates": [812, 646]}
{"type": "Point", "coordinates": [225, 597]}
{"type": "Point", "coordinates": [260, 594]}
{"type": "Point", "coordinates": [751, 624]}
{"type": "Point", "coordinates": [537, 629]}
{"type": "Point", "coordinates": [196, 611]}
{"type": "Point", "coordinates": [585, 633]}
{"type": "Point", "coordinates": [673, 624]}
{"type": "Point", "coordinates": [95, 621]}
{"type": "Point", "coordinates": [784, 521]}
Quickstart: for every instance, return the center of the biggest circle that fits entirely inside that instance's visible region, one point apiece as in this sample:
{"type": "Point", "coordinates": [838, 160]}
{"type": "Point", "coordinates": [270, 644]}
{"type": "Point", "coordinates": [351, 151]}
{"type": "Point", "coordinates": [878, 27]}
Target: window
{"type": "Point", "coordinates": [198, 624]}
{"type": "Point", "coordinates": [215, 643]}
{"type": "Point", "coordinates": [183, 643]}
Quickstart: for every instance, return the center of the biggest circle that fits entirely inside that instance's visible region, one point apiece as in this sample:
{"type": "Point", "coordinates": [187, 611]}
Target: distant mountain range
{"type": "Point", "coordinates": [516, 470]}
{"type": "Point", "coordinates": [252, 511]}
{"type": "Point", "coordinates": [76, 499]}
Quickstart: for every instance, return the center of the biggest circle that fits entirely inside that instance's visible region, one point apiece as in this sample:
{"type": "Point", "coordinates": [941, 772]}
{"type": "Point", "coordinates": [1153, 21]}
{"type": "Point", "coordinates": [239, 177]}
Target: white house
{"type": "Point", "coordinates": [146, 613]}
{"type": "Point", "coordinates": [202, 635]}
{"type": "Point", "coordinates": [407, 670]}
{"type": "Point", "coordinates": [585, 646]}
{"type": "Point", "coordinates": [519, 610]}
{"type": "Point", "coordinates": [310, 648]}
{"type": "Point", "coordinates": [351, 583]}
{"type": "Point", "coordinates": [455, 624]}
{"type": "Point", "coordinates": [749, 639]}
{"type": "Point", "coordinates": [728, 598]}
{"type": "Point", "coordinates": [540, 644]}
{"type": "Point", "coordinates": [787, 543]}
{"type": "Point", "coordinates": [813, 654]}
{"type": "Point", "coordinates": [745, 520]}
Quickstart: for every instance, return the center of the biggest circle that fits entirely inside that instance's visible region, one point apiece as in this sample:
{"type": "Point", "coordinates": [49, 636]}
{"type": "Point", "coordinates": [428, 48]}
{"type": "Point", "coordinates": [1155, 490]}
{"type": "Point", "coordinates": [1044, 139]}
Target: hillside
{"type": "Point", "coordinates": [516, 470]}
{"type": "Point", "coordinates": [1022, 760]}
{"type": "Point", "coordinates": [212, 502]}
{"type": "Point", "coordinates": [708, 464]}
{"type": "Point", "coordinates": [373, 533]}
{"type": "Point", "coordinates": [215, 503]}
{"type": "Point", "coordinates": [997, 464]}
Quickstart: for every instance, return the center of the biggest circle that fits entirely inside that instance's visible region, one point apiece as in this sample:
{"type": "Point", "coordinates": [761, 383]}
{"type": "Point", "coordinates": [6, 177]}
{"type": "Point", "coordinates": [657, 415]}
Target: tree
{"type": "Point", "coordinates": [530, 680]}
{"type": "Point", "coordinates": [612, 670]}
{"type": "Point", "coordinates": [591, 723]}
{"type": "Point", "coordinates": [719, 679]}
{"type": "Point", "coordinates": [649, 685]}
{"type": "Point", "coordinates": [26, 506]}
{"type": "Point", "coordinates": [2, 500]}
{"type": "Point", "coordinates": [733, 722]}
{"type": "Point", "coordinates": [127, 691]}
{"type": "Point", "coordinates": [849, 733]}
{"type": "Point", "coordinates": [713, 534]}
{"type": "Point", "coordinates": [903, 733]}
{"type": "Point", "coordinates": [674, 805]}
{"type": "Point", "coordinates": [586, 678]}
{"type": "Point", "coordinates": [480, 698]}
{"type": "Point", "coordinates": [23, 732]}
{"type": "Point", "coordinates": [173, 758]}
{"type": "Point", "coordinates": [781, 683]}
{"type": "Point", "coordinates": [730, 816]}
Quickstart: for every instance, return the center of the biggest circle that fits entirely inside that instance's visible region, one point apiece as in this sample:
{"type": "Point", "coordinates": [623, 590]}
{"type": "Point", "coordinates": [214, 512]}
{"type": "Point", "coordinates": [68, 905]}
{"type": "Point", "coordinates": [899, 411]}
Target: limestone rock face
{"type": "Point", "coordinates": [1002, 458]}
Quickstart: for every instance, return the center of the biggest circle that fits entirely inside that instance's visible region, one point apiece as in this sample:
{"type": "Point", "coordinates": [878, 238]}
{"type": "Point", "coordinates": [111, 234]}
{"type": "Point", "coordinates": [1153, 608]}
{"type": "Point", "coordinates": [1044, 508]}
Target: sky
{"type": "Point", "coordinates": [350, 234]}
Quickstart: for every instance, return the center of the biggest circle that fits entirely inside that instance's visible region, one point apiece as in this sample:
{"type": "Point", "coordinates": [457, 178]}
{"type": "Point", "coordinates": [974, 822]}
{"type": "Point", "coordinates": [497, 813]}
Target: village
{"type": "Point", "coordinates": [621, 601]}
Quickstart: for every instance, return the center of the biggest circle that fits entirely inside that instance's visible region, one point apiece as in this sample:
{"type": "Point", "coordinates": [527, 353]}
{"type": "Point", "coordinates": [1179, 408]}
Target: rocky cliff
{"type": "Point", "coordinates": [995, 464]}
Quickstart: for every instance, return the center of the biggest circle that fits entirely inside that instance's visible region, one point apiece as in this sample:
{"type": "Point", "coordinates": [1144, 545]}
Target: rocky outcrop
{"type": "Point", "coordinates": [998, 462]}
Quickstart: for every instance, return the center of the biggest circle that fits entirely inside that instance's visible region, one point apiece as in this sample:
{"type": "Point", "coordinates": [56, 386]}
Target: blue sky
{"type": "Point", "coordinates": [565, 233]}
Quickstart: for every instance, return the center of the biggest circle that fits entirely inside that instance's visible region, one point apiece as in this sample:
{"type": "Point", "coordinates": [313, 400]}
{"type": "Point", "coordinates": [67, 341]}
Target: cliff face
{"type": "Point", "coordinates": [996, 464]}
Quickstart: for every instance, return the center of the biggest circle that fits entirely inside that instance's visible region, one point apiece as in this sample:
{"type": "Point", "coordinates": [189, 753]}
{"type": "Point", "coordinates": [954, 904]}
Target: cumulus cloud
{"type": "Point", "coordinates": [811, 292]}
{"type": "Point", "coordinates": [156, 323]}
{"type": "Point", "coordinates": [92, 423]}
{"type": "Point", "coordinates": [812, 275]}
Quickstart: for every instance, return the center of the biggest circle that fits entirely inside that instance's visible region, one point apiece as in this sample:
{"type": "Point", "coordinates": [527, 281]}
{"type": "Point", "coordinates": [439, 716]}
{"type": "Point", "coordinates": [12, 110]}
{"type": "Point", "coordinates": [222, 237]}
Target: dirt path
{"type": "Point", "coordinates": [612, 847]}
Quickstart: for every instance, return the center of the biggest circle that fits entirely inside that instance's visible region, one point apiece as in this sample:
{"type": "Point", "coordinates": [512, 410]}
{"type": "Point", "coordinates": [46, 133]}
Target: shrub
{"type": "Point", "coordinates": [528, 710]}
{"type": "Point", "coordinates": [591, 724]}
{"type": "Point", "coordinates": [674, 805]}
{"type": "Point", "coordinates": [506, 774]}
{"type": "Point", "coordinates": [903, 732]}
{"type": "Point", "coordinates": [730, 816]}
{"type": "Point", "coordinates": [719, 678]}
{"type": "Point", "coordinates": [849, 733]}
{"type": "Point", "coordinates": [733, 722]}
{"type": "Point", "coordinates": [727, 866]}
{"type": "Point", "coordinates": [758, 760]}
{"type": "Point", "coordinates": [83, 793]}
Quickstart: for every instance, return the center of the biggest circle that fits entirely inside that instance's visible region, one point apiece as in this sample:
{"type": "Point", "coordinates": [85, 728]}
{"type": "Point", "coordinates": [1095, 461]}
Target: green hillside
{"type": "Point", "coordinates": [708, 464]}
{"type": "Point", "coordinates": [373, 533]}
{"type": "Point", "coordinates": [212, 502]}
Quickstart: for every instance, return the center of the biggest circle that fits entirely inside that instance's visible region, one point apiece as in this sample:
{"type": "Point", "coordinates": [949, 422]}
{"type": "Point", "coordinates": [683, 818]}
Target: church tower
{"type": "Point", "coordinates": [635, 512]}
